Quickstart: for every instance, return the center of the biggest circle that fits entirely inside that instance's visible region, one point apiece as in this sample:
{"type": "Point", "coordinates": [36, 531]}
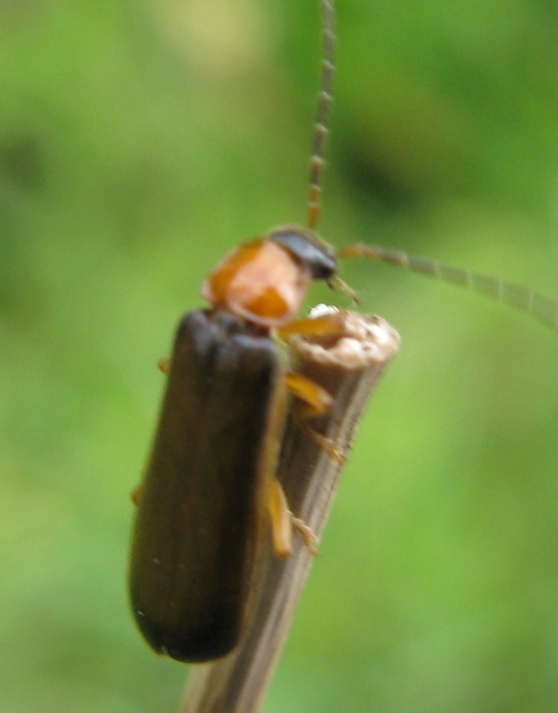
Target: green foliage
{"type": "Point", "coordinates": [137, 144]}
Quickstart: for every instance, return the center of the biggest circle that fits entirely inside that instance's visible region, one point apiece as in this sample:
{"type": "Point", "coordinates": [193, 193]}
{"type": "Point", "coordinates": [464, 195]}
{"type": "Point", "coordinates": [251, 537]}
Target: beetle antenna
{"type": "Point", "coordinates": [521, 298]}
{"type": "Point", "coordinates": [325, 100]}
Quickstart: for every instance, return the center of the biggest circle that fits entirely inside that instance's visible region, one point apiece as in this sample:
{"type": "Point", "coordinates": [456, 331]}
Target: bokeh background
{"type": "Point", "coordinates": [141, 141]}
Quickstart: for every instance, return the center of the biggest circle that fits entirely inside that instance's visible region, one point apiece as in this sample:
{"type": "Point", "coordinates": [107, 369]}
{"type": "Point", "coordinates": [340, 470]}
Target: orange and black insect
{"type": "Point", "coordinates": [210, 489]}
{"type": "Point", "coordinates": [210, 484]}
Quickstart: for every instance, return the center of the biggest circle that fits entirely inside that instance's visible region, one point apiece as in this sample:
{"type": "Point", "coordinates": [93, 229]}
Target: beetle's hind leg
{"type": "Point", "coordinates": [283, 521]}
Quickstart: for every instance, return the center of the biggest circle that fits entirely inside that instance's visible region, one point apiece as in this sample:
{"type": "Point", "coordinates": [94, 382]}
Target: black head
{"type": "Point", "coordinates": [305, 245]}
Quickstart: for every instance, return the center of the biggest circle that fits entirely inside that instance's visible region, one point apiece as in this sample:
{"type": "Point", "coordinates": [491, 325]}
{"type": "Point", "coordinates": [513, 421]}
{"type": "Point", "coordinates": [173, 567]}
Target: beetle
{"type": "Point", "coordinates": [210, 479]}
{"type": "Point", "coordinates": [210, 490]}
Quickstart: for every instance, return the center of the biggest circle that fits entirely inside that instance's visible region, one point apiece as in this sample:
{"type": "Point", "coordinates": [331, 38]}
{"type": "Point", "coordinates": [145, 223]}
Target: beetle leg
{"type": "Point", "coordinates": [315, 398]}
{"type": "Point", "coordinates": [316, 401]}
{"type": "Point", "coordinates": [281, 525]}
{"type": "Point", "coordinates": [324, 326]}
{"type": "Point", "coordinates": [164, 365]}
{"type": "Point", "coordinates": [334, 451]}
{"type": "Point", "coordinates": [283, 521]}
{"type": "Point", "coordinates": [135, 495]}
{"type": "Point", "coordinates": [311, 540]}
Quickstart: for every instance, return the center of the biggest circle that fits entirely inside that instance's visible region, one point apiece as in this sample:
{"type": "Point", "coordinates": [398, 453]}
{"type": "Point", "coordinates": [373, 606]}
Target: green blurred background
{"type": "Point", "coordinates": [138, 143]}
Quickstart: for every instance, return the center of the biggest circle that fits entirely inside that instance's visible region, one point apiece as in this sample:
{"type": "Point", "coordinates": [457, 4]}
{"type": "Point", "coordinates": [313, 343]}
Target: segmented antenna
{"type": "Point", "coordinates": [521, 298]}
{"type": "Point", "coordinates": [321, 127]}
